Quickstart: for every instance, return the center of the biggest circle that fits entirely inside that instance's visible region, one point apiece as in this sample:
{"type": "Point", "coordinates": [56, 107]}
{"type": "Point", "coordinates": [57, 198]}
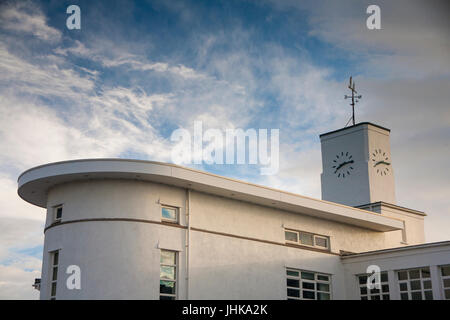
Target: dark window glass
{"type": "Point", "coordinates": [292, 273]}
{"type": "Point", "coordinates": [404, 296]}
{"type": "Point", "coordinates": [427, 284]}
{"type": "Point", "coordinates": [362, 279]}
{"type": "Point", "coordinates": [414, 274]}
{"type": "Point", "coordinates": [322, 277]}
{"type": "Point", "coordinates": [416, 295]}
{"type": "Point", "coordinates": [293, 293]}
{"type": "Point", "coordinates": [308, 294]}
{"type": "Point", "coordinates": [385, 288]}
{"type": "Point", "coordinates": [293, 283]}
{"type": "Point", "coordinates": [55, 258]}
{"type": "Point", "coordinates": [446, 283]}
{"type": "Point", "coordinates": [306, 238]}
{"type": "Point", "coordinates": [445, 271]}
{"type": "Point", "coordinates": [166, 298]}
{"type": "Point", "coordinates": [323, 287]}
{"type": "Point", "coordinates": [384, 277]}
{"type": "Point", "coordinates": [321, 242]}
{"type": "Point", "coordinates": [428, 295]}
{"type": "Point", "coordinates": [447, 294]}
{"type": "Point", "coordinates": [167, 287]}
{"type": "Point", "coordinates": [308, 285]}
{"type": "Point", "coordinates": [403, 286]}
{"type": "Point", "coordinates": [59, 213]}
{"type": "Point", "coordinates": [403, 275]}
{"type": "Point", "coordinates": [53, 289]}
{"type": "Point", "coordinates": [308, 275]}
{"type": "Point", "coordinates": [291, 236]}
{"type": "Point", "coordinates": [425, 273]}
{"type": "Point", "coordinates": [363, 290]}
{"type": "Point", "coordinates": [55, 273]}
{"type": "Point", "coordinates": [415, 285]}
{"type": "Point", "coordinates": [323, 296]}
{"type": "Point", "coordinates": [386, 297]}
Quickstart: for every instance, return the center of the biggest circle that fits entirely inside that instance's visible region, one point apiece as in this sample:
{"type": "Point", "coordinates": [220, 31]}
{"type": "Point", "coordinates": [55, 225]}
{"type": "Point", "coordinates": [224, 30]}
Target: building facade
{"type": "Point", "coordinates": [148, 230]}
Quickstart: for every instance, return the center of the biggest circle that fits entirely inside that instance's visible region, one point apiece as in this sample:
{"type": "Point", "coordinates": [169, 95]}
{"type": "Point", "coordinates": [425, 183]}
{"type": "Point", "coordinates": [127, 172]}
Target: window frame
{"type": "Point", "coordinates": [54, 276]}
{"type": "Point", "coordinates": [314, 236]}
{"type": "Point", "coordinates": [368, 295]}
{"type": "Point", "coordinates": [177, 214]}
{"type": "Point", "coordinates": [175, 280]}
{"type": "Point", "coordinates": [444, 288]}
{"type": "Point", "coordinates": [422, 279]}
{"type": "Point", "coordinates": [300, 288]}
{"type": "Point", "coordinates": [55, 213]}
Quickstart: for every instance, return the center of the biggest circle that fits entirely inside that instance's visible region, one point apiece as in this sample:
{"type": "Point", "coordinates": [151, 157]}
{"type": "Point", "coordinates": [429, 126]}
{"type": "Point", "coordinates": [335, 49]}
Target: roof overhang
{"type": "Point", "coordinates": [33, 186]}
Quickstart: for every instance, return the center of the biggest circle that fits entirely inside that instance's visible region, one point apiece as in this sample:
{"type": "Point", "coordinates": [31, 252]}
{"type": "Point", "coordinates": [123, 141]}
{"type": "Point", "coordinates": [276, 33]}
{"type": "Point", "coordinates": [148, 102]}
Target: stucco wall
{"type": "Point", "coordinates": [120, 259]}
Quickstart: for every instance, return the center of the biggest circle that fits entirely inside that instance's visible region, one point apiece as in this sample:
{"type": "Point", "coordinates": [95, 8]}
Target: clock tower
{"type": "Point", "coordinates": [357, 165]}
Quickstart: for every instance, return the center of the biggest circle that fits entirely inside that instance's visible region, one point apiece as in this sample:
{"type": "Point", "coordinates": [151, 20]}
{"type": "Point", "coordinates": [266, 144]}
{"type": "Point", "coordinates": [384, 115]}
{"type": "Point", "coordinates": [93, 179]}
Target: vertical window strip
{"type": "Point", "coordinates": [168, 275]}
{"type": "Point", "coordinates": [54, 262]}
{"type": "Point", "coordinates": [445, 275]}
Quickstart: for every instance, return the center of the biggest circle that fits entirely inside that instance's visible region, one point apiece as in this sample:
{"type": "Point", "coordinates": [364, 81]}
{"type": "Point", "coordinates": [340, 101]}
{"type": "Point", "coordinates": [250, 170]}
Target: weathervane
{"type": "Point", "coordinates": [354, 97]}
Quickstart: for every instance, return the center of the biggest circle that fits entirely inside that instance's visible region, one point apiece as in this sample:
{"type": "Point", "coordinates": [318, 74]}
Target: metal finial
{"type": "Point", "coordinates": [351, 86]}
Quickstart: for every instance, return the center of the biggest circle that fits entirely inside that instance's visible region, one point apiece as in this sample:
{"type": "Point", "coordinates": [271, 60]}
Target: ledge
{"type": "Point", "coordinates": [34, 184]}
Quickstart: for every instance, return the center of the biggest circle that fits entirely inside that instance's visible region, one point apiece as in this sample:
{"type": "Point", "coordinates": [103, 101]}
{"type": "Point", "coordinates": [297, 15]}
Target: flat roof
{"type": "Point", "coordinates": [391, 205]}
{"type": "Point", "coordinates": [33, 185]}
{"type": "Point", "coordinates": [354, 126]}
{"type": "Point", "coordinates": [398, 249]}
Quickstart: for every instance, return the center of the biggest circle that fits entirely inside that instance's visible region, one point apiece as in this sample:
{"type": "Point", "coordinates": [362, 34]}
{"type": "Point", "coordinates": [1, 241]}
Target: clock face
{"type": "Point", "coordinates": [380, 162]}
{"type": "Point", "coordinates": [343, 164]}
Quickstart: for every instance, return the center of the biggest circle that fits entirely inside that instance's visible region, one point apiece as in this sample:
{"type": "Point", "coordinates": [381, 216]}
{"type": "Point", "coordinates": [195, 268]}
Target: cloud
{"type": "Point", "coordinates": [414, 40]}
{"type": "Point", "coordinates": [25, 17]}
{"type": "Point", "coordinates": [80, 98]}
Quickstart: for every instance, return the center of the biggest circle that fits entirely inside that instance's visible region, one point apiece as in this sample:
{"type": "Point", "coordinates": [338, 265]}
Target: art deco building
{"type": "Point", "coordinates": [148, 230]}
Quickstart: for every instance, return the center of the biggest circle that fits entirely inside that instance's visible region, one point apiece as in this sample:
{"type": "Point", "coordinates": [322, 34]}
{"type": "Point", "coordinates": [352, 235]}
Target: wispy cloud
{"type": "Point", "coordinates": [27, 18]}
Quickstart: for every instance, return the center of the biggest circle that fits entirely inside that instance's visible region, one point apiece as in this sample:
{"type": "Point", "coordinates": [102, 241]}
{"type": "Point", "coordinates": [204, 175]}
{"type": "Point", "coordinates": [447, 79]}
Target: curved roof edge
{"type": "Point", "coordinates": [33, 185]}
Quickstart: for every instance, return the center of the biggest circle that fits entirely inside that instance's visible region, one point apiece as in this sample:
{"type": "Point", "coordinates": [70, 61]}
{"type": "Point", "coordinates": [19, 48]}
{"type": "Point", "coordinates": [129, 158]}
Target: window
{"type": "Point", "coordinates": [306, 239]}
{"type": "Point", "coordinates": [168, 275]}
{"type": "Point", "coordinates": [445, 275]}
{"type": "Point", "coordinates": [307, 285]}
{"type": "Point", "coordinates": [57, 213]}
{"type": "Point", "coordinates": [169, 214]}
{"type": "Point", "coordinates": [375, 293]}
{"type": "Point", "coordinates": [415, 284]}
{"type": "Point", "coordinates": [54, 260]}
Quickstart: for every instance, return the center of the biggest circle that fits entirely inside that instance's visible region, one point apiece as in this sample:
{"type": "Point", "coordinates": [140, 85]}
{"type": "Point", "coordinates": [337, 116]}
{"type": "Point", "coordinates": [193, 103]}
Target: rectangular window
{"type": "Point", "coordinates": [307, 239]}
{"type": "Point", "coordinates": [445, 275]}
{"type": "Point", "coordinates": [307, 285]}
{"type": "Point", "coordinates": [169, 214]}
{"type": "Point", "coordinates": [57, 213]}
{"type": "Point", "coordinates": [54, 261]}
{"type": "Point", "coordinates": [415, 284]}
{"type": "Point", "coordinates": [168, 275]}
{"type": "Point", "coordinates": [375, 293]}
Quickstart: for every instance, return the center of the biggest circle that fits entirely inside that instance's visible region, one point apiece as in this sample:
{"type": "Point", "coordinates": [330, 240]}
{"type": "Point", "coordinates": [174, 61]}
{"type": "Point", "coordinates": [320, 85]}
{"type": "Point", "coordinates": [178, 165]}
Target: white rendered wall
{"type": "Point", "coordinates": [120, 259]}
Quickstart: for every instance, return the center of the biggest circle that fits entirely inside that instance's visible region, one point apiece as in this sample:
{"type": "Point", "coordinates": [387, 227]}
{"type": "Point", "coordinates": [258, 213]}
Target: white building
{"type": "Point", "coordinates": [148, 230]}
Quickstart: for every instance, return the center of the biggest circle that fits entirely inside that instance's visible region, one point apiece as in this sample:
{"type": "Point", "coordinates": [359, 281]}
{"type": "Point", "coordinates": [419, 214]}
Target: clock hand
{"type": "Point", "coordinates": [381, 162]}
{"type": "Point", "coordinates": [343, 164]}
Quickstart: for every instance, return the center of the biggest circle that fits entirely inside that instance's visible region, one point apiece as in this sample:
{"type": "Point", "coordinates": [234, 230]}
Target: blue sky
{"type": "Point", "coordinates": [137, 70]}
